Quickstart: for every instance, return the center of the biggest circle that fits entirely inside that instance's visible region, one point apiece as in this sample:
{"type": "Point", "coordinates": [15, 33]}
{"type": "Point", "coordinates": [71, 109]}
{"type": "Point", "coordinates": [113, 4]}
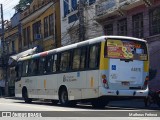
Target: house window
{"type": "Point", "coordinates": [122, 27]}
{"type": "Point", "coordinates": [66, 7]}
{"type": "Point", "coordinates": [13, 46]}
{"type": "Point", "coordinates": [51, 24]}
{"type": "Point", "coordinates": [28, 35]}
{"type": "Point", "coordinates": [91, 1]}
{"type": "Point", "coordinates": [155, 21]}
{"type": "Point", "coordinates": [72, 18]}
{"type": "Point", "coordinates": [24, 37]}
{"type": "Point", "coordinates": [46, 32]}
{"type": "Point", "coordinates": [37, 30]}
{"type": "Point", "coordinates": [137, 22]}
{"type": "Point", "coordinates": [74, 4]}
{"type": "Point", "coordinates": [108, 29]}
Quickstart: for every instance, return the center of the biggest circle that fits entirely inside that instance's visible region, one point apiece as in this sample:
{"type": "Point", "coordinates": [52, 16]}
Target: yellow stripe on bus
{"type": "Point", "coordinates": [103, 61]}
{"type": "Point", "coordinates": [146, 66]}
{"type": "Point", "coordinates": [44, 84]}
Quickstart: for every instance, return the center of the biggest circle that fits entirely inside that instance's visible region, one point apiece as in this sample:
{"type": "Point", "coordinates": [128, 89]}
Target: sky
{"type": "Point", "coordinates": [8, 6]}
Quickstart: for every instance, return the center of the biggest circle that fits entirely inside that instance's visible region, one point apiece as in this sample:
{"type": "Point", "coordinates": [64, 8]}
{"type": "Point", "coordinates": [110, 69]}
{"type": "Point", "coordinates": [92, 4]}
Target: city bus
{"type": "Point", "coordinates": [94, 70]}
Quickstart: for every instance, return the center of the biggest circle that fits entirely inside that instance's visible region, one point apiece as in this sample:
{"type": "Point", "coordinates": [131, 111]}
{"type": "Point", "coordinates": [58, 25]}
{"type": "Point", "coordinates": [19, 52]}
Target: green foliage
{"type": "Point", "coordinates": [22, 5]}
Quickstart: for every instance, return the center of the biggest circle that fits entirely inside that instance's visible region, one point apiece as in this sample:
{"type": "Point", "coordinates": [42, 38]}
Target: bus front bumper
{"type": "Point", "coordinates": [128, 93]}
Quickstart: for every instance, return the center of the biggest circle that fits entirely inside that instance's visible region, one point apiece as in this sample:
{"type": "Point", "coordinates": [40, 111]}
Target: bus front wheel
{"type": "Point", "coordinates": [63, 97]}
{"type": "Point", "coordinates": [25, 96]}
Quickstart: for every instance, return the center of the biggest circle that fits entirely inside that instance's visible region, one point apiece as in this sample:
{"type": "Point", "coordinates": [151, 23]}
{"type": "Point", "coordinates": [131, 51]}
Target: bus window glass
{"type": "Point", "coordinates": [49, 62]}
{"type": "Point", "coordinates": [54, 62]}
{"type": "Point", "coordinates": [94, 56]}
{"type": "Point", "coordinates": [64, 63]}
{"type": "Point", "coordinates": [76, 59]}
{"type": "Point", "coordinates": [42, 67]}
{"type": "Point", "coordinates": [18, 69]}
{"type": "Point", "coordinates": [31, 67]}
{"type": "Point", "coordinates": [35, 67]}
{"type": "Point", "coordinates": [83, 58]}
{"type": "Point", "coordinates": [126, 49]}
{"type": "Point", "coordinates": [25, 68]}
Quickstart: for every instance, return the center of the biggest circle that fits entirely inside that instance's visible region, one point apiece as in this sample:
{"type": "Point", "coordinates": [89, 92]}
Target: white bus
{"type": "Point", "coordinates": [93, 70]}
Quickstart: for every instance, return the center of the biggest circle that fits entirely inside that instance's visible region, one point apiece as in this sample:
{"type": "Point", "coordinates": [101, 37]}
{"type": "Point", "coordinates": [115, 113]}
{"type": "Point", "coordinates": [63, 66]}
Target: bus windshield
{"type": "Point", "coordinates": [126, 49]}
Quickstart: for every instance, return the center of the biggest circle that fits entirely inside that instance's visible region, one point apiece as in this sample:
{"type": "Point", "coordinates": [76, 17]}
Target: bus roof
{"type": "Point", "coordinates": [79, 44]}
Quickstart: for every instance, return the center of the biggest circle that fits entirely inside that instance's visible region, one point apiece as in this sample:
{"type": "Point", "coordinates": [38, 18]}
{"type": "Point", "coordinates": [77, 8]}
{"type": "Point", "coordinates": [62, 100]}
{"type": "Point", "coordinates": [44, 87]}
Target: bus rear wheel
{"type": "Point", "coordinates": [63, 97]}
{"type": "Point", "coordinates": [25, 96]}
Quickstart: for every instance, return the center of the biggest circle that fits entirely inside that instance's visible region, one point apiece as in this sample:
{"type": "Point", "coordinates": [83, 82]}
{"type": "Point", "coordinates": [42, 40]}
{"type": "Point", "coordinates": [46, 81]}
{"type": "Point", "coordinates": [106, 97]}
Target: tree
{"type": "Point", "coordinates": [22, 5]}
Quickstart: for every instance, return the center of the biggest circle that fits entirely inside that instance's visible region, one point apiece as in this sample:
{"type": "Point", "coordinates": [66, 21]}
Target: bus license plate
{"type": "Point", "coordinates": [125, 83]}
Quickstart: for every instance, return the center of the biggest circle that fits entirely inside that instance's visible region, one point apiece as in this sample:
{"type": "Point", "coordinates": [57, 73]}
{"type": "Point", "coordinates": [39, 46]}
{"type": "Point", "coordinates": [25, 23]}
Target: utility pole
{"type": "Point", "coordinates": [81, 20]}
{"type": "Point", "coordinates": [2, 22]}
{"type": "Point", "coordinates": [4, 56]}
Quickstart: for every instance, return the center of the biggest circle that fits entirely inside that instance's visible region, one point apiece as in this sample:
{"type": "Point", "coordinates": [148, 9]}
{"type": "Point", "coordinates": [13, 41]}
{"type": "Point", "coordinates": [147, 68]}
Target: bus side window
{"type": "Point", "coordinates": [24, 68]}
{"type": "Point", "coordinates": [35, 67]}
{"type": "Point", "coordinates": [83, 58]}
{"type": "Point", "coordinates": [42, 67]}
{"type": "Point", "coordinates": [54, 66]}
{"type": "Point", "coordinates": [94, 52]}
{"type": "Point", "coordinates": [76, 59]}
{"type": "Point", "coordinates": [65, 61]}
{"type": "Point", "coordinates": [18, 70]}
{"type": "Point", "coordinates": [31, 67]}
{"type": "Point", "coordinates": [49, 62]}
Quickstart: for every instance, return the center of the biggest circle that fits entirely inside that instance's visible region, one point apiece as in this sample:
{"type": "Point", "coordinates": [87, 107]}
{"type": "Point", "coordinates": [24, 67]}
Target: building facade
{"type": "Point", "coordinates": [40, 25]}
{"type": "Point", "coordinates": [136, 18]}
{"type": "Point", "coordinates": [11, 47]}
{"type": "Point", "coordinates": [36, 26]}
{"type": "Point", "coordinates": [77, 21]}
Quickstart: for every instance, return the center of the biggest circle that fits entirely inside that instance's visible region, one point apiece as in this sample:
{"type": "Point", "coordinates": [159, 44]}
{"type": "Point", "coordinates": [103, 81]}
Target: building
{"type": "Point", "coordinates": [40, 25]}
{"type": "Point", "coordinates": [137, 18]}
{"type": "Point", "coordinates": [11, 47]}
{"type": "Point", "coordinates": [77, 21]}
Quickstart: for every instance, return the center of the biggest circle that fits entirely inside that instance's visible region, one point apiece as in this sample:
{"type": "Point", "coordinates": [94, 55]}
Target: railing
{"type": "Point", "coordinates": [106, 6]}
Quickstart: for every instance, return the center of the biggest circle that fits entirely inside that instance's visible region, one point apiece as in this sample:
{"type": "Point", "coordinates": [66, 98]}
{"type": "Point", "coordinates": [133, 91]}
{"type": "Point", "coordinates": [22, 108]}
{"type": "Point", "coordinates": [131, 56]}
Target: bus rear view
{"type": "Point", "coordinates": [127, 66]}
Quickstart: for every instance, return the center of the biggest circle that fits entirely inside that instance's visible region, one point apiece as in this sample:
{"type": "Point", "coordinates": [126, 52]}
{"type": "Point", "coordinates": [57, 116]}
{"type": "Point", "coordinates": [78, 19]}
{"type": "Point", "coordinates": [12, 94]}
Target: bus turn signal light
{"type": "Point", "coordinates": [104, 80]}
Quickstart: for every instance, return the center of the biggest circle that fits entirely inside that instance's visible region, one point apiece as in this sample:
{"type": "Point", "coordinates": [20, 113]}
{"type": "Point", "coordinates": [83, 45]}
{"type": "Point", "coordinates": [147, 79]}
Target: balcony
{"type": "Point", "coordinates": [108, 8]}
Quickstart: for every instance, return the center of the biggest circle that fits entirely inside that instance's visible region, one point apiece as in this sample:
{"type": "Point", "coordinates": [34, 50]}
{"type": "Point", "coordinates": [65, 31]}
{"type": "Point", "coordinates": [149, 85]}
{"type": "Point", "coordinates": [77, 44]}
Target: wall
{"type": "Point", "coordinates": [153, 41]}
{"type": "Point", "coordinates": [70, 31]}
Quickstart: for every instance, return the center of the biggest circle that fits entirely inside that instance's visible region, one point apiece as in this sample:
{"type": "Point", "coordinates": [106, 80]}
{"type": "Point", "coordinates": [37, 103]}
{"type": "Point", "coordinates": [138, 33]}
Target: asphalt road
{"type": "Point", "coordinates": [115, 109]}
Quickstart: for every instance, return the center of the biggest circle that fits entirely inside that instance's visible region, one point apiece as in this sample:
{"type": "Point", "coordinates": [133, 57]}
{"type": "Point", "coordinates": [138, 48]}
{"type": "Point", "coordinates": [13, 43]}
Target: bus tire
{"type": "Point", "coordinates": [98, 103]}
{"type": "Point", "coordinates": [25, 95]}
{"type": "Point", "coordinates": [63, 97]}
